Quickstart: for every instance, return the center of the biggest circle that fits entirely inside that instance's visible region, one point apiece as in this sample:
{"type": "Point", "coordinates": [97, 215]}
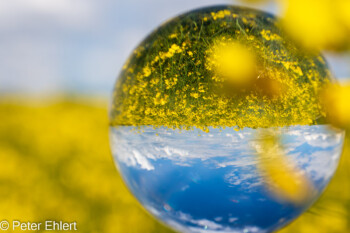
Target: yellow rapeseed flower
{"type": "Point", "coordinates": [342, 8]}
{"type": "Point", "coordinates": [314, 23]}
{"type": "Point", "coordinates": [194, 95]}
{"type": "Point", "coordinates": [283, 179]}
{"type": "Point", "coordinates": [233, 62]}
{"type": "Point", "coordinates": [146, 71]}
{"type": "Point", "coordinates": [336, 101]}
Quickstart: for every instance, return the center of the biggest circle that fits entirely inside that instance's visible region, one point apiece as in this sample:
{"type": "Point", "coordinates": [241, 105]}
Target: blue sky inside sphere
{"type": "Point", "coordinates": [79, 46]}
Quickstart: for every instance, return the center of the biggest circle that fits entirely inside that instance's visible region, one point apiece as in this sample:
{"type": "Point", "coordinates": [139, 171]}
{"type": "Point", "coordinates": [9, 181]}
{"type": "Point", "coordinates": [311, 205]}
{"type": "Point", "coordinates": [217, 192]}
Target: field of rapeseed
{"type": "Point", "coordinates": [171, 78]}
{"type": "Point", "coordinates": [56, 164]}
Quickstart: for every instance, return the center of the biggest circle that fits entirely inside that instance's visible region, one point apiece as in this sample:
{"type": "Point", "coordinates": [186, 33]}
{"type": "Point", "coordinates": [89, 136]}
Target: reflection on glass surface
{"type": "Point", "coordinates": [210, 182]}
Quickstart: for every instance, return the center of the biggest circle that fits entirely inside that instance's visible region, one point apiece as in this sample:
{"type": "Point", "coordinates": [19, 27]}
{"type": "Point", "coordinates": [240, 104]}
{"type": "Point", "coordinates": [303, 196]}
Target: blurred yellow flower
{"type": "Point", "coordinates": [282, 177]}
{"type": "Point", "coordinates": [233, 62]}
{"type": "Point", "coordinates": [316, 24]}
{"type": "Point", "coordinates": [336, 100]}
{"type": "Point", "coordinates": [342, 8]}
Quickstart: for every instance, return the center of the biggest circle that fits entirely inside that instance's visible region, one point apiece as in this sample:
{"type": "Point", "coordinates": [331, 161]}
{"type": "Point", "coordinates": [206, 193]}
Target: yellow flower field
{"type": "Point", "coordinates": [56, 165]}
{"type": "Point", "coordinates": [218, 67]}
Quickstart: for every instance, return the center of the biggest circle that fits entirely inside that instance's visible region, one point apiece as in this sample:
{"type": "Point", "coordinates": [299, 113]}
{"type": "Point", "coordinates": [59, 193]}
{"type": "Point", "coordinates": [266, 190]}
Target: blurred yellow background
{"type": "Point", "coordinates": [55, 164]}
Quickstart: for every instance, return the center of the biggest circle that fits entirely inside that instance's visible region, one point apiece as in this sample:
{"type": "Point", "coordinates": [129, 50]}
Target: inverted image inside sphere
{"type": "Point", "coordinates": [215, 123]}
{"type": "Point", "coordinates": [171, 77]}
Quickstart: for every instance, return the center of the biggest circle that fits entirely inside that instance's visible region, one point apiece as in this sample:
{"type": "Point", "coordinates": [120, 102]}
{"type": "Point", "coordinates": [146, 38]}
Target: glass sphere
{"type": "Point", "coordinates": [216, 126]}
